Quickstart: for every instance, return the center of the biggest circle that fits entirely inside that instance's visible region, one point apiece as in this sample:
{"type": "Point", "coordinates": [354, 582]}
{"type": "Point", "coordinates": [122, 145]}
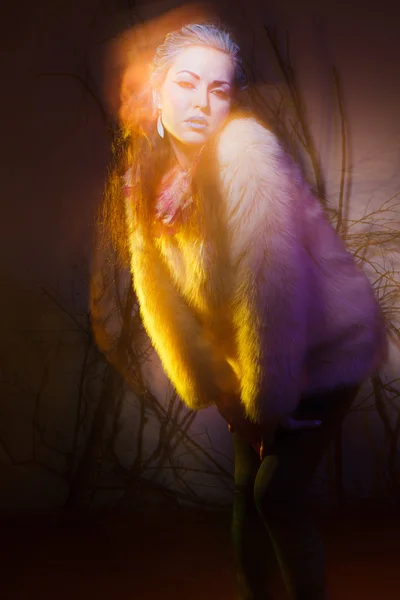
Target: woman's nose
{"type": "Point", "coordinates": [202, 99]}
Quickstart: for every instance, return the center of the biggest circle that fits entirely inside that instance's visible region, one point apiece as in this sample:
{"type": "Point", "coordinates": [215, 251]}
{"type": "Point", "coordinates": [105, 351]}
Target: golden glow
{"type": "Point", "coordinates": [137, 51]}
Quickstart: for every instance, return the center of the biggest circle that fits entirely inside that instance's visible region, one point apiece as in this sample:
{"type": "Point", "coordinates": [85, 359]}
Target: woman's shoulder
{"type": "Point", "coordinates": [244, 134]}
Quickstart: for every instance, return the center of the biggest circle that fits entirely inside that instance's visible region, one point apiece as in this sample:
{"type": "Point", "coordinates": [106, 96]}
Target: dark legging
{"type": "Point", "coordinates": [270, 497]}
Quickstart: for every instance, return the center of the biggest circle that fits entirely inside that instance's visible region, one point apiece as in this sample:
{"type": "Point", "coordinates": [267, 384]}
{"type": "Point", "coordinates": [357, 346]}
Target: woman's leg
{"type": "Point", "coordinates": [279, 493]}
{"type": "Point", "coordinates": [249, 537]}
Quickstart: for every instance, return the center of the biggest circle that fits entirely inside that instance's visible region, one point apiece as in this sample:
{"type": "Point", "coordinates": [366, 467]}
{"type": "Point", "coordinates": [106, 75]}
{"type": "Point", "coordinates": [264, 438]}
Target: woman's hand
{"type": "Point", "coordinates": [232, 410]}
{"type": "Point", "coordinates": [247, 430]}
{"type": "Point", "coordinates": [259, 435]}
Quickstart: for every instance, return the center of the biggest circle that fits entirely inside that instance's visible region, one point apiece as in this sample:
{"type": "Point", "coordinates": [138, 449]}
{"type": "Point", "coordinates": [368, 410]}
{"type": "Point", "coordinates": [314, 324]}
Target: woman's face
{"type": "Point", "coordinates": [196, 95]}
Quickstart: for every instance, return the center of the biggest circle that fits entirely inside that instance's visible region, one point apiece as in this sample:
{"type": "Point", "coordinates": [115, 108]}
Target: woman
{"type": "Point", "coordinates": [248, 295]}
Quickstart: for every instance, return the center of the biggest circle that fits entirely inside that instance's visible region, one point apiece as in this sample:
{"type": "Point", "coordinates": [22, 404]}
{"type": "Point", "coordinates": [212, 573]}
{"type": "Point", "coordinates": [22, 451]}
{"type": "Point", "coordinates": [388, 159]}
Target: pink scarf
{"type": "Point", "coordinates": [174, 197]}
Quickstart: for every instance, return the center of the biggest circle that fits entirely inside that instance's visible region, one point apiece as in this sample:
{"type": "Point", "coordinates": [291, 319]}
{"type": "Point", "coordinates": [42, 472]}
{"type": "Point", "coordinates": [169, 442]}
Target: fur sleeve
{"type": "Point", "coordinates": [193, 365]}
{"type": "Point", "coordinates": [260, 186]}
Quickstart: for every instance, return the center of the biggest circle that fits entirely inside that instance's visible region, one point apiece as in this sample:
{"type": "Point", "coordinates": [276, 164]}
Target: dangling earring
{"type": "Point", "coordinates": [160, 126]}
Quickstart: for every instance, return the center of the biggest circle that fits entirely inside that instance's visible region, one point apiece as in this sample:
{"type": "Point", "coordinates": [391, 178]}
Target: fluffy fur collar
{"type": "Point", "coordinates": [267, 304]}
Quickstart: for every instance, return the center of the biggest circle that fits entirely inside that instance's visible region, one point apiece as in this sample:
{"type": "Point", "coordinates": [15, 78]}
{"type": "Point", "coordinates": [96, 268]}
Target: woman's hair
{"type": "Point", "coordinates": [138, 145]}
{"type": "Point", "coordinates": [197, 34]}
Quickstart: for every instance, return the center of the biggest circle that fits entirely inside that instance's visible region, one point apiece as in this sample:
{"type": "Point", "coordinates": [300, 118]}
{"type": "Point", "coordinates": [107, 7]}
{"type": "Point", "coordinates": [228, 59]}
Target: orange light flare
{"type": "Point", "coordinates": [134, 52]}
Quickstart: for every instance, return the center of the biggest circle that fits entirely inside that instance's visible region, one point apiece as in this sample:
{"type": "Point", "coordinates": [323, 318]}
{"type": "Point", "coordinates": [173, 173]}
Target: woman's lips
{"type": "Point", "coordinates": [197, 123]}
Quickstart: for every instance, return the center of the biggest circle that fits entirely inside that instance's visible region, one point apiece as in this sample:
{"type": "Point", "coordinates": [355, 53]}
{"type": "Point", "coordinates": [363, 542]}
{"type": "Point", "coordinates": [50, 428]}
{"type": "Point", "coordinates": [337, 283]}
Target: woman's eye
{"type": "Point", "coordinates": [185, 84]}
{"type": "Point", "coordinates": [220, 94]}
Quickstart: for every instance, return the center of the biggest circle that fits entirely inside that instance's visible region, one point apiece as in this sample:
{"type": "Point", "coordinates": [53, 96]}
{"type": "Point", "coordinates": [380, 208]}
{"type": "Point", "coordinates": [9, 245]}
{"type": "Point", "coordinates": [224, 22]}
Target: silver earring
{"type": "Point", "coordinates": [160, 126]}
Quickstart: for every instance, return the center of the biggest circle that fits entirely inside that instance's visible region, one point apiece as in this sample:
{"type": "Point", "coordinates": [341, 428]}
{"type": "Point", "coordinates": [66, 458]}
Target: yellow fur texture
{"type": "Point", "coordinates": [273, 306]}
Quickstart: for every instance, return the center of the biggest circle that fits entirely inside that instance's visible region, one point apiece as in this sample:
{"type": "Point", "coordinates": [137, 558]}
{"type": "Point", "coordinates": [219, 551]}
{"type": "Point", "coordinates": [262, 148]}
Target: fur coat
{"type": "Point", "coordinates": [270, 305]}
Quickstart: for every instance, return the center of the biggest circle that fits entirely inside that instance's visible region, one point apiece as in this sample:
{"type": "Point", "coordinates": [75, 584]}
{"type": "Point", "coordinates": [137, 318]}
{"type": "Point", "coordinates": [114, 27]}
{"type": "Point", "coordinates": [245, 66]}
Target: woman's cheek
{"type": "Point", "coordinates": [220, 117]}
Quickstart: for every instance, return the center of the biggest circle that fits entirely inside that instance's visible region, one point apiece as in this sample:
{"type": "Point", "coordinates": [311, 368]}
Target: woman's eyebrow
{"type": "Point", "coordinates": [216, 82]}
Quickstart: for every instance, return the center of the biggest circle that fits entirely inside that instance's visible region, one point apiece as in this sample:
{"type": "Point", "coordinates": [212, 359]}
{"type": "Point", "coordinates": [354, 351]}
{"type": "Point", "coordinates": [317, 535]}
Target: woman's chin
{"type": "Point", "coordinates": [194, 137]}
{"type": "Point", "coordinates": [191, 139]}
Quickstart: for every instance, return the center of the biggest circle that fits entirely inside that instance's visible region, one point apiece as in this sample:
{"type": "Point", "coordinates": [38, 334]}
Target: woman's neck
{"type": "Point", "coordinates": [185, 155]}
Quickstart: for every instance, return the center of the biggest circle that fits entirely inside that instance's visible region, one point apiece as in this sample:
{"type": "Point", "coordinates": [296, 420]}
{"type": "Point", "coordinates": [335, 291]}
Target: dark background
{"type": "Point", "coordinates": [61, 65]}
